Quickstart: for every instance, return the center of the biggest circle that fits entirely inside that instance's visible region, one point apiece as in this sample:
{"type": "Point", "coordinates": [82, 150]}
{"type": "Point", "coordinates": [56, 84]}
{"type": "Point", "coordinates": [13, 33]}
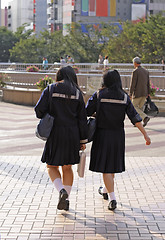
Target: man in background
{"type": "Point", "coordinates": [139, 88]}
{"type": "Point", "coordinates": [100, 61]}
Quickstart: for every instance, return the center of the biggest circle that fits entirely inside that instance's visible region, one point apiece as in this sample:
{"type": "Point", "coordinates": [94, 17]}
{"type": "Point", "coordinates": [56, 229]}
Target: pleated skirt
{"type": "Point", "coordinates": [62, 146]}
{"type": "Point", "coordinates": [108, 151]}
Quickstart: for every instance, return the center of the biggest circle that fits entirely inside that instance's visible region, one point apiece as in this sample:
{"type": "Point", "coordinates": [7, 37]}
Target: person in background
{"type": "Point", "coordinates": [62, 61]}
{"type": "Point", "coordinates": [139, 88]}
{"type": "Point", "coordinates": [45, 63]}
{"type": "Point", "coordinates": [100, 61]}
{"type": "Point", "coordinates": [111, 104]}
{"type": "Point", "coordinates": [69, 132]}
{"type": "Point", "coordinates": [70, 60]}
{"type": "Point", "coordinates": [106, 62]}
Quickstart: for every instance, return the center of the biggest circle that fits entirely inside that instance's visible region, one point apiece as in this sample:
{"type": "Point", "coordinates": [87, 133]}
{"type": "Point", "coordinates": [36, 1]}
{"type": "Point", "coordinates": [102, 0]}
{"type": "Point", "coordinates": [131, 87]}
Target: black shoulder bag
{"type": "Point", "coordinates": [45, 125]}
{"type": "Point", "coordinates": [91, 123]}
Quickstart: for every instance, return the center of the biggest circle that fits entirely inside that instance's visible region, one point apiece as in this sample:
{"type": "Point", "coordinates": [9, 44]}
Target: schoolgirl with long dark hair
{"type": "Point", "coordinates": [69, 133]}
{"type": "Point", "coordinates": [111, 104]}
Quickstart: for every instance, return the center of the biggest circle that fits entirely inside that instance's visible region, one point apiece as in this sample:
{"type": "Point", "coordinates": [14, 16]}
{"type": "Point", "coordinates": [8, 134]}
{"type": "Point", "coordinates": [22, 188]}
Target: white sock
{"type": "Point", "coordinates": [58, 184]}
{"type": "Point", "coordinates": [104, 190]}
{"type": "Point", "coordinates": [68, 189]}
{"type": "Point", "coordinates": [112, 196]}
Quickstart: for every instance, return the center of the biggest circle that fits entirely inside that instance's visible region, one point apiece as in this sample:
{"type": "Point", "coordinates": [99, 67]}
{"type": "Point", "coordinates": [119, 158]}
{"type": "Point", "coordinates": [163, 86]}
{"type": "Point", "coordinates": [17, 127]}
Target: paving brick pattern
{"type": "Point", "coordinates": [28, 200]}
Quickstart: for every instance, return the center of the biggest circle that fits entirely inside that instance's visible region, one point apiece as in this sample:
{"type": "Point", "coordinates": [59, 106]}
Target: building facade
{"type": "Point", "coordinates": [0, 13]}
{"type": "Point", "coordinates": [4, 17]}
{"type": "Point", "coordinates": [19, 13]}
{"type": "Point", "coordinates": [54, 15]}
{"type": "Point", "coordinates": [31, 12]}
{"type": "Point", "coordinates": [39, 15]}
{"type": "Point", "coordinates": [57, 14]}
{"type": "Point", "coordinates": [157, 6]}
{"type": "Point", "coordinates": [97, 11]}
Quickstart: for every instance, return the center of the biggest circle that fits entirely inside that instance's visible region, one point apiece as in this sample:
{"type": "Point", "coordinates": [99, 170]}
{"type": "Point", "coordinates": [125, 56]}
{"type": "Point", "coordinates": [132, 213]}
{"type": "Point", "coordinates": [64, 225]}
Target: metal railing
{"type": "Point", "coordinates": [83, 67]}
{"type": "Point", "coordinates": [88, 82]}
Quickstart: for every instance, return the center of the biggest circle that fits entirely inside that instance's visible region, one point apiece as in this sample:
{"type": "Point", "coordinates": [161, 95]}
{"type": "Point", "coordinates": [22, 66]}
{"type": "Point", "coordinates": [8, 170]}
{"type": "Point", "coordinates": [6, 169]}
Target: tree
{"type": "Point", "coordinates": [22, 33]}
{"type": "Point", "coordinates": [144, 39]}
{"type": "Point", "coordinates": [27, 50]}
{"type": "Point", "coordinates": [7, 41]}
{"type": "Point", "coordinates": [54, 45]}
{"type": "Point", "coordinates": [32, 49]}
{"type": "Point", "coordinates": [153, 40]}
{"type": "Point", "coordinates": [84, 47]}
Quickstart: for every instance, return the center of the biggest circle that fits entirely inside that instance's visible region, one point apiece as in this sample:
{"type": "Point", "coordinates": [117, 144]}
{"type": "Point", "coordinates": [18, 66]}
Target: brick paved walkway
{"type": "Point", "coordinates": [28, 200]}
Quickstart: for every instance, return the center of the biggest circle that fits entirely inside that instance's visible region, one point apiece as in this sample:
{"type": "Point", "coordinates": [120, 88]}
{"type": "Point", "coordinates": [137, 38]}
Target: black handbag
{"type": "Point", "coordinates": [150, 108]}
{"type": "Point", "coordinates": [91, 123]}
{"type": "Point", "coordinates": [45, 125]}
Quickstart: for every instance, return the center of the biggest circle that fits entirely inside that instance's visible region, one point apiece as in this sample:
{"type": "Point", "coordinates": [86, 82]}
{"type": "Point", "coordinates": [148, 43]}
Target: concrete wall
{"type": "Point", "coordinates": [23, 97]}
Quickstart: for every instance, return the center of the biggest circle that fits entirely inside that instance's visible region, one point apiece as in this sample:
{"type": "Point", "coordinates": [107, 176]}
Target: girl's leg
{"type": "Point", "coordinates": [109, 181]}
{"type": "Point", "coordinates": [53, 172]}
{"type": "Point", "coordinates": [55, 176]}
{"type": "Point", "coordinates": [109, 184]}
{"type": "Point", "coordinates": [67, 178]}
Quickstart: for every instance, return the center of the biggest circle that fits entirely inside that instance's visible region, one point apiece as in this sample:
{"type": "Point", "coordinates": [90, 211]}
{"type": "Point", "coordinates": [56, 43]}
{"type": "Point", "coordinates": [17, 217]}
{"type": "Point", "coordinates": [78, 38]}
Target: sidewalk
{"type": "Point", "coordinates": [28, 200]}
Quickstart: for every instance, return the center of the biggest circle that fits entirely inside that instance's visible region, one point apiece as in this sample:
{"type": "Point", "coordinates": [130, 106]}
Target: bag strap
{"type": "Point", "coordinates": [50, 87]}
{"type": "Point", "coordinates": [98, 105]}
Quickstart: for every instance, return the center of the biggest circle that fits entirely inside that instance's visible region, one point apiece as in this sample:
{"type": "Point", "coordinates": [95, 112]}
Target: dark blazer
{"type": "Point", "coordinates": [67, 111]}
{"type": "Point", "coordinates": [140, 84]}
{"type": "Point", "coordinates": [111, 111]}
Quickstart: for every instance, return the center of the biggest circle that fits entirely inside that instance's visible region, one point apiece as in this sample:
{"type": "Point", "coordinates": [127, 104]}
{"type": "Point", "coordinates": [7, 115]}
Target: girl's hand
{"type": "Point", "coordinates": [82, 146]}
{"type": "Point", "coordinates": [148, 140]}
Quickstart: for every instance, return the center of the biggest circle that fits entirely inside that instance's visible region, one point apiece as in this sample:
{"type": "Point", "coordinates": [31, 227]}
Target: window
{"type": "Point", "coordinates": [9, 25]}
{"type": "Point", "coordinates": [151, 1]}
{"type": "Point", "coordinates": [9, 16]}
{"type": "Point", "coordinates": [151, 12]}
{"type": "Point", "coordinates": [56, 1]}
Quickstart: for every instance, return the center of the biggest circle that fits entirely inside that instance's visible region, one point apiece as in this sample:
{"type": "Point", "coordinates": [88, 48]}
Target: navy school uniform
{"type": "Point", "coordinates": [69, 128]}
{"type": "Point", "coordinates": [108, 147]}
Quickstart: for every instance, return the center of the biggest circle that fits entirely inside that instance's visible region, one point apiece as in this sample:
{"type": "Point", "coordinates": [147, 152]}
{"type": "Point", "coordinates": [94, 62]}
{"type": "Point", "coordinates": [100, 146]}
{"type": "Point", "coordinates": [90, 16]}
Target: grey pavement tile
{"type": "Point", "coordinates": [23, 237]}
{"type": "Point", "coordinates": [9, 238]}
{"type": "Point", "coordinates": [28, 199]}
{"type": "Point", "coordinates": [34, 236]}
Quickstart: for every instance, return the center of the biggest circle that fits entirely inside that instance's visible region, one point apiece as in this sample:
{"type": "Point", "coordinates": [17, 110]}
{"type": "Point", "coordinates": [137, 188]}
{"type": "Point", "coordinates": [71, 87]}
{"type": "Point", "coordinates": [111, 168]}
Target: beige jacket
{"type": "Point", "coordinates": [140, 83]}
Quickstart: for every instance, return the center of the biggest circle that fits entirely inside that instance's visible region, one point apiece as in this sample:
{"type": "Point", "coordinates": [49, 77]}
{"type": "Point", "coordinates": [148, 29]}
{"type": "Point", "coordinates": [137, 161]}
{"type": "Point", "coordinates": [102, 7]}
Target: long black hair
{"type": "Point", "coordinates": [68, 75]}
{"type": "Point", "coordinates": [112, 80]}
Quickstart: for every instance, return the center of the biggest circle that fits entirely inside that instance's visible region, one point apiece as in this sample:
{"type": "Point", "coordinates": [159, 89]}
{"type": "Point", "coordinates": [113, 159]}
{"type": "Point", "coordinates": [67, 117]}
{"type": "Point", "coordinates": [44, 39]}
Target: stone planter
{"type": "Point", "coordinates": [23, 97]}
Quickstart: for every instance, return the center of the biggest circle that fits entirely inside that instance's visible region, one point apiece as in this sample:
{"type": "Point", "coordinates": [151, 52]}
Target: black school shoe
{"type": "Point", "coordinates": [67, 206]}
{"type": "Point", "coordinates": [112, 205]}
{"type": "Point", "coordinates": [62, 203]}
{"type": "Point", "coordinates": [105, 195]}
